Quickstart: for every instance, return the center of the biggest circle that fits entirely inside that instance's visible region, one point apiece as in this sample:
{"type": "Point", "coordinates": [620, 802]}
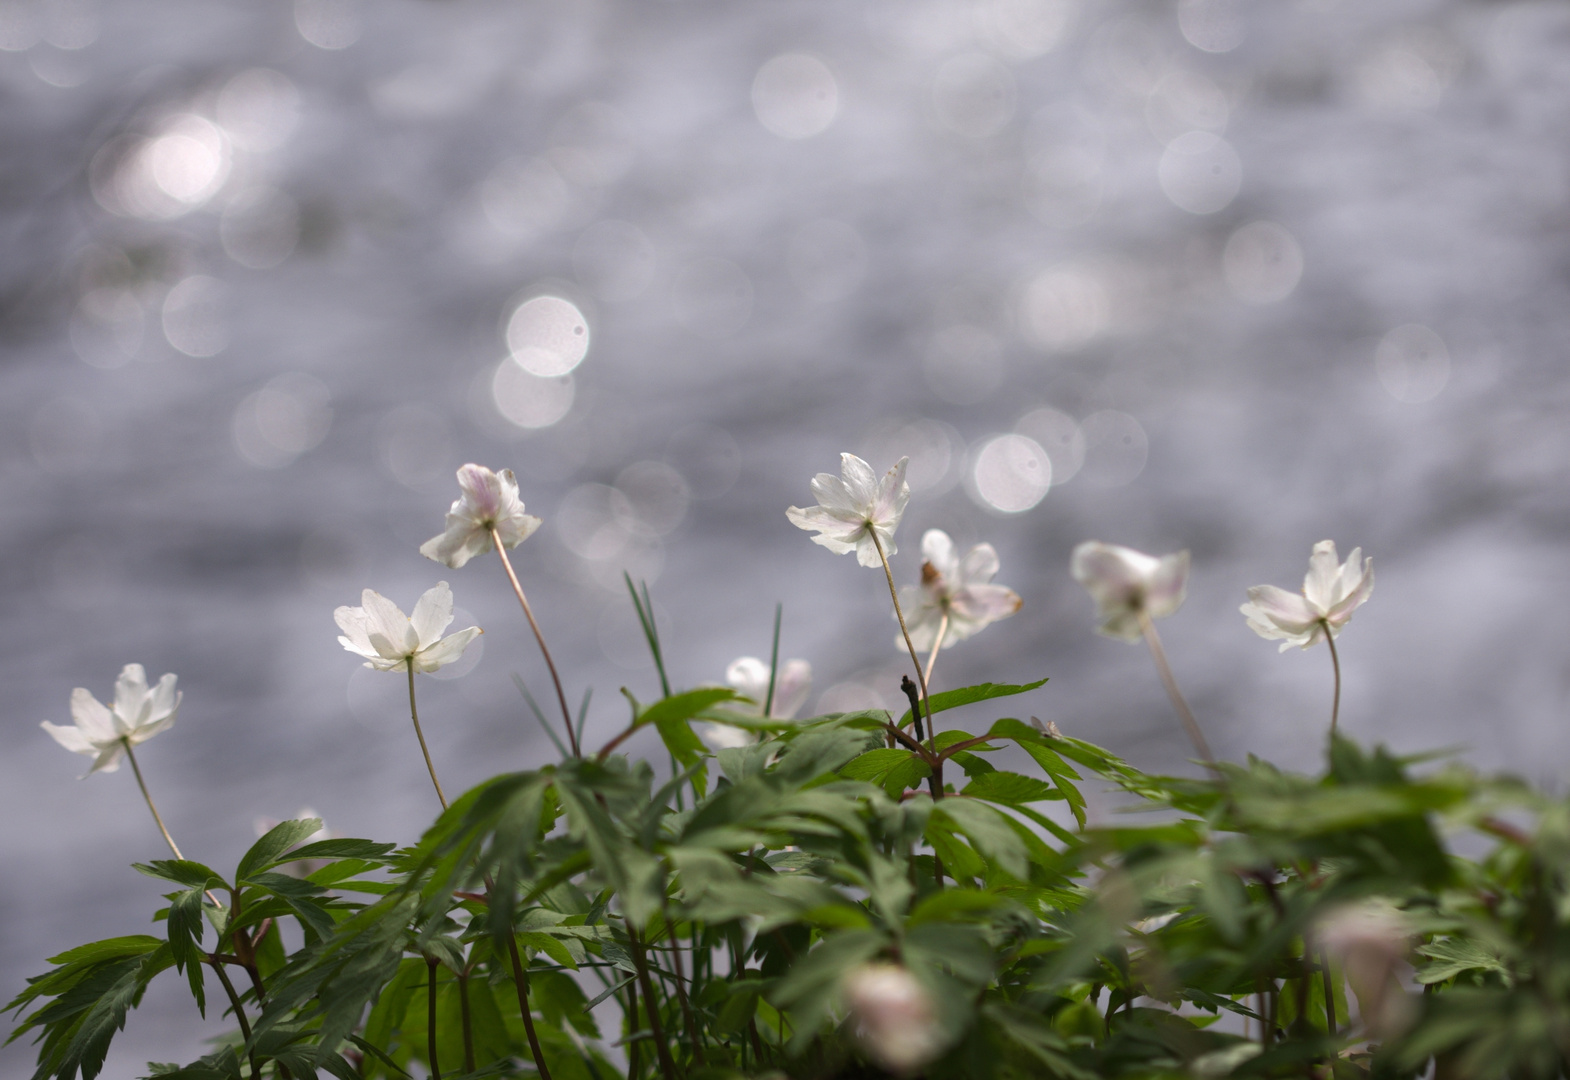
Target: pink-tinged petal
{"type": "Point", "coordinates": [978, 567]}
{"type": "Point", "coordinates": [922, 619]}
{"type": "Point", "coordinates": [93, 717]}
{"type": "Point", "coordinates": [1319, 584]}
{"type": "Point", "coordinates": [977, 607]}
{"type": "Point", "coordinates": [1289, 612]}
{"type": "Point", "coordinates": [836, 534]}
{"type": "Point", "coordinates": [108, 759]}
{"type": "Point", "coordinates": [892, 495]}
{"type": "Point", "coordinates": [1167, 586]}
{"type": "Point", "coordinates": [130, 698]}
{"type": "Point", "coordinates": [1262, 625]}
{"type": "Point", "coordinates": [482, 492]}
{"type": "Point", "coordinates": [749, 676]}
{"type": "Point", "coordinates": [355, 623]}
{"type": "Point", "coordinates": [1109, 571]}
{"type": "Point", "coordinates": [163, 701]}
{"type": "Point", "coordinates": [516, 528]}
{"type": "Point", "coordinates": [446, 650]}
{"type": "Point", "coordinates": [832, 494]}
{"type": "Point", "coordinates": [1355, 599]}
{"type": "Point", "coordinates": [937, 549]}
{"type": "Point", "coordinates": [861, 483]}
{"type": "Point", "coordinates": [388, 624]}
{"type": "Point", "coordinates": [432, 614]}
{"type": "Point", "coordinates": [71, 738]}
{"type": "Point", "coordinates": [792, 684]}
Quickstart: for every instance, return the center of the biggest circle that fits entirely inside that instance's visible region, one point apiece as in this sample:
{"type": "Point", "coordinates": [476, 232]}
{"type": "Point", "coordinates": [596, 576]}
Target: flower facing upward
{"type": "Point", "coordinates": [391, 641]}
{"type": "Point", "coordinates": [1330, 594]}
{"type": "Point", "coordinates": [893, 1016]}
{"type": "Point", "coordinates": [854, 507]}
{"type": "Point", "coordinates": [101, 732]}
{"type": "Point", "coordinates": [489, 501]}
{"type": "Point", "coordinates": [1125, 582]}
{"type": "Point", "coordinates": [956, 587]}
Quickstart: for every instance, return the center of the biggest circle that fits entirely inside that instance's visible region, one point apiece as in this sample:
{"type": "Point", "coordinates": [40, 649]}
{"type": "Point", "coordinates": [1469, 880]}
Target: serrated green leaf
{"type": "Point", "coordinates": [969, 695]}
{"type": "Point", "coordinates": [274, 843]}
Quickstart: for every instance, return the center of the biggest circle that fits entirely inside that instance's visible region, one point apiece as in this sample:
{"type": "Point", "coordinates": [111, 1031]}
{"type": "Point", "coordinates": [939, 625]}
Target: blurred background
{"type": "Point", "coordinates": [1209, 274]}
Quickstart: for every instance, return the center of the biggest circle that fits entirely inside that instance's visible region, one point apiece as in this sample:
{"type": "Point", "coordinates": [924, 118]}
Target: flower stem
{"type": "Point", "coordinates": [926, 701]}
{"type": "Point", "coordinates": [521, 981]}
{"type": "Point", "coordinates": [415, 715]}
{"type": "Point", "coordinates": [937, 643]}
{"type": "Point", "coordinates": [239, 1010]}
{"type": "Point", "coordinates": [430, 1019]}
{"type": "Point", "coordinates": [1335, 662]}
{"type": "Point", "coordinates": [566, 713]}
{"type": "Point", "coordinates": [1185, 714]}
{"type": "Point", "coordinates": [137, 769]}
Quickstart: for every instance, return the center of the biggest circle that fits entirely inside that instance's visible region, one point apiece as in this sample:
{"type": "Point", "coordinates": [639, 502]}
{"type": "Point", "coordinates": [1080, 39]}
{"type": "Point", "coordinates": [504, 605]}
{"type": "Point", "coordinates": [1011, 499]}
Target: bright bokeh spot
{"type": "Point", "coordinates": [1413, 363]}
{"type": "Point", "coordinates": [328, 24]}
{"type": "Point", "coordinates": [529, 401]}
{"type": "Point", "coordinates": [1200, 172]}
{"type": "Point", "coordinates": [1059, 434]}
{"type": "Point", "coordinates": [1012, 473]}
{"type": "Point", "coordinates": [1063, 308]}
{"type": "Point", "coordinates": [795, 96]}
{"type": "Point", "coordinates": [172, 172]}
{"type": "Point", "coordinates": [548, 336]}
{"type": "Point", "coordinates": [284, 419]}
{"type": "Point", "coordinates": [1025, 29]}
{"type": "Point", "coordinates": [1262, 263]}
{"type": "Point", "coordinates": [195, 316]}
{"type": "Point", "coordinates": [258, 109]}
{"type": "Point", "coordinates": [1215, 26]}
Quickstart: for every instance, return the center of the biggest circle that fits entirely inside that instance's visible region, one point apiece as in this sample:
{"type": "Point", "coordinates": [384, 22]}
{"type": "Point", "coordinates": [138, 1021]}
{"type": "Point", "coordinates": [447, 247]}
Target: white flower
{"type": "Point", "coordinates": [390, 641]}
{"type": "Point", "coordinates": [956, 587]}
{"type": "Point", "coordinates": [1330, 594]}
{"type": "Point", "coordinates": [1372, 940]}
{"type": "Point", "coordinates": [489, 501]}
{"type": "Point", "coordinates": [750, 676]}
{"type": "Point", "coordinates": [138, 714]}
{"type": "Point", "coordinates": [854, 506]}
{"type": "Point", "coordinates": [1125, 582]}
{"type": "Point", "coordinates": [893, 1016]}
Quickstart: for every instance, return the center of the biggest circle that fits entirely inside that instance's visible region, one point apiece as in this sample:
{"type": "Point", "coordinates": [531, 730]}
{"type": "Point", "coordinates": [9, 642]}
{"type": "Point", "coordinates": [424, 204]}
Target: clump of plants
{"type": "Point", "coordinates": [861, 893]}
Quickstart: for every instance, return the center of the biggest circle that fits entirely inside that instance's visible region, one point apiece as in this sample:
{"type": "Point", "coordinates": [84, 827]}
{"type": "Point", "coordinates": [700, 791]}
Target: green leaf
{"type": "Point", "coordinates": [988, 831]}
{"type": "Point", "coordinates": [1011, 789]}
{"type": "Point", "coordinates": [366, 851]}
{"type": "Point", "coordinates": [277, 840]}
{"type": "Point", "coordinates": [968, 695]}
{"type": "Point", "coordinates": [193, 875]}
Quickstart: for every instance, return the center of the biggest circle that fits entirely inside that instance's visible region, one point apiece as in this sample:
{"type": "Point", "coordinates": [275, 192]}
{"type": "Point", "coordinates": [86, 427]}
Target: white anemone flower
{"type": "Point", "coordinates": [956, 587]}
{"type": "Point", "coordinates": [749, 676]}
{"type": "Point", "coordinates": [1330, 594]}
{"type": "Point", "coordinates": [893, 1016]}
{"type": "Point", "coordinates": [1125, 583]}
{"type": "Point", "coordinates": [392, 641]}
{"type": "Point", "coordinates": [489, 501]}
{"type": "Point", "coordinates": [854, 508]}
{"type": "Point", "coordinates": [103, 732]}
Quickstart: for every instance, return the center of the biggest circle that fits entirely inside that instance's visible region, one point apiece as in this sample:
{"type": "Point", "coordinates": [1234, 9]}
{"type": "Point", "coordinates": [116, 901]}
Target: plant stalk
{"type": "Point", "coordinates": [137, 769]}
{"type": "Point", "coordinates": [1185, 714]}
{"type": "Point", "coordinates": [430, 1018]}
{"type": "Point", "coordinates": [1335, 663]}
{"type": "Point", "coordinates": [900, 615]}
{"type": "Point", "coordinates": [566, 713]}
{"type": "Point", "coordinates": [468, 1023]}
{"type": "Point", "coordinates": [521, 982]}
{"type": "Point", "coordinates": [641, 963]}
{"type": "Point", "coordinates": [239, 1011]}
{"type": "Point", "coordinates": [937, 643]}
{"type": "Point", "coordinates": [415, 715]}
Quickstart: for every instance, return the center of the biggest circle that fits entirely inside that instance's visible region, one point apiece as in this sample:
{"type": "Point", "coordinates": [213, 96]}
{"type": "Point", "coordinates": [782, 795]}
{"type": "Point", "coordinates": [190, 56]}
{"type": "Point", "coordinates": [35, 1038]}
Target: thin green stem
{"type": "Point", "coordinates": [937, 643]}
{"type": "Point", "coordinates": [137, 769]}
{"type": "Point", "coordinates": [561, 696]}
{"type": "Point", "coordinates": [520, 980]}
{"type": "Point", "coordinates": [774, 662]}
{"type": "Point", "coordinates": [430, 1018]}
{"type": "Point", "coordinates": [415, 715]}
{"type": "Point", "coordinates": [651, 1006]}
{"type": "Point", "coordinates": [239, 1011]}
{"type": "Point", "coordinates": [468, 1023]}
{"type": "Point", "coordinates": [888, 573]}
{"type": "Point", "coordinates": [1330, 992]}
{"type": "Point", "coordinates": [1185, 714]}
{"type": "Point", "coordinates": [1335, 662]}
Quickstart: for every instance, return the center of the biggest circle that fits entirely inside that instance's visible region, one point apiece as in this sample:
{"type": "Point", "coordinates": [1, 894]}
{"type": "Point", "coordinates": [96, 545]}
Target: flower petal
{"type": "Point", "coordinates": [71, 738]}
{"type": "Point", "coordinates": [749, 676]}
{"type": "Point", "coordinates": [388, 622]}
{"type": "Point", "coordinates": [1355, 599]}
{"type": "Point", "coordinates": [356, 624]}
{"type": "Point", "coordinates": [937, 548]}
{"type": "Point", "coordinates": [1167, 586]}
{"type": "Point", "coordinates": [975, 608]}
{"type": "Point", "coordinates": [1319, 585]}
{"type": "Point", "coordinates": [432, 614]}
{"type": "Point", "coordinates": [861, 483]}
{"type": "Point", "coordinates": [1289, 612]}
{"type": "Point", "coordinates": [978, 567]}
{"type": "Point", "coordinates": [163, 702]}
{"type": "Point", "coordinates": [482, 492]}
{"type": "Point", "coordinates": [446, 650]}
{"type": "Point", "coordinates": [108, 759]}
{"type": "Point", "coordinates": [130, 697]}
{"type": "Point", "coordinates": [792, 684]}
{"type": "Point", "coordinates": [92, 717]}
{"type": "Point", "coordinates": [836, 534]}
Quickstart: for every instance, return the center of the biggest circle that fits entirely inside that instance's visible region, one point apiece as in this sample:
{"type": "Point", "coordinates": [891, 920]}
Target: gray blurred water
{"type": "Point", "coordinates": [1283, 271]}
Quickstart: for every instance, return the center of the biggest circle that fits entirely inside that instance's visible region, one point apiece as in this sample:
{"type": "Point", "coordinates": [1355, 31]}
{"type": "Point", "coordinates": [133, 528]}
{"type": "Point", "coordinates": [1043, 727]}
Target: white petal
{"type": "Point", "coordinates": [432, 614]}
{"type": "Point", "coordinates": [390, 624]}
{"type": "Point", "coordinates": [1353, 600]}
{"type": "Point", "coordinates": [937, 548]}
{"type": "Point", "coordinates": [792, 684]}
{"type": "Point", "coordinates": [355, 622]}
{"type": "Point", "coordinates": [1168, 585]}
{"type": "Point", "coordinates": [1122, 624]}
{"type": "Point", "coordinates": [482, 492]}
{"type": "Point", "coordinates": [516, 528]}
{"type": "Point", "coordinates": [837, 534]}
{"type": "Point", "coordinates": [861, 483]}
{"type": "Point", "coordinates": [1290, 612]}
{"type": "Point", "coordinates": [1319, 585]}
{"type": "Point", "coordinates": [163, 701]}
{"type": "Point", "coordinates": [749, 676]}
{"type": "Point", "coordinates": [130, 697]}
{"type": "Point", "coordinates": [445, 651]}
{"type": "Point", "coordinates": [978, 567]}
{"type": "Point", "coordinates": [975, 608]}
{"type": "Point", "coordinates": [722, 736]}
{"type": "Point", "coordinates": [893, 494]}
{"type": "Point", "coordinates": [867, 548]}
{"type": "Point", "coordinates": [70, 737]}
{"type": "Point", "coordinates": [108, 759]}
{"type": "Point", "coordinates": [147, 731]}
{"type": "Point", "coordinates": [92, 717]}
{"type": "Point", "coordinates": [921, 619]}
{"type": "Point", "coordinates": [1110, 572]}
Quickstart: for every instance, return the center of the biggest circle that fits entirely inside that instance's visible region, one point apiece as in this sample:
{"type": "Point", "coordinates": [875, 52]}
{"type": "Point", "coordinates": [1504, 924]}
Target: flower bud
{"type": "Point", "coordinates": [893, 1016]}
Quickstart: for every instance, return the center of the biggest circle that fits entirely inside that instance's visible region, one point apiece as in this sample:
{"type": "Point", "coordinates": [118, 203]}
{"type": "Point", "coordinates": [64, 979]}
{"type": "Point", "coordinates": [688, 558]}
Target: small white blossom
{"type": "Point", "coordinates": [1330, 594]}
{"type": "Point", "coordinates": [855, 506]}
{"type": "Point", "coordinates": [1372, 940]}
{"type": "Point", "coordinates": [893, 1016]}
{"type": "Point", "coordinates": [102, 732]}
{"type": "Point", "coordinates": [956, 587]}
{"type": "Point", "coordinates": [391, 641]}
{"type": "Point", "coordinates": [1125, 582]}
{"type": "Point", "coordinates": [489, 501]}
{"type": "Point", "coordinates": [749, 676]}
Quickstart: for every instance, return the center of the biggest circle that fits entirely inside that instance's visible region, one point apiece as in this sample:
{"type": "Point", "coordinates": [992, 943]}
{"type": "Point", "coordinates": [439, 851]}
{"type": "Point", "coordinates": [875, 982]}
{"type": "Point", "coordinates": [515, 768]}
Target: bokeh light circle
{"type": "Point", "coordinates": [1011, 474]}
{"type": "Point", "coordinates": [795, 96]}
{"type": "Point", "coordinates": [548, 336]}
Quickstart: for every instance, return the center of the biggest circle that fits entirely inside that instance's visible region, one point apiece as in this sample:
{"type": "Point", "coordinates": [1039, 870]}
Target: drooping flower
{"type": "Point", "coordinates": [1330, 594]}
{"type": "Point", "coordinates": [749, 676]}
{"type": "Point", "coordinates": [391, 641]}
{"type": "Point", "coordinates": [1125, 582]}
{"type": "Point", "coordinates": [102, 732]}
{"type": "Point", "coordinates": [953, 586]}
{"type": "Point", "coordinates": [489, 501]}
{"type": "Point", "coordinates": [1371, 941]}
{"type": "Point", "coordinates": [854, 507]}
{"type": "Point", "coordinates": [893, 1016]}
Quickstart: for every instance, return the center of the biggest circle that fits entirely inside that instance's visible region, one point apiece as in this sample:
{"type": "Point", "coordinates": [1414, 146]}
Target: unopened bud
{"type": "Point", "coordinates": [893, 1017]}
